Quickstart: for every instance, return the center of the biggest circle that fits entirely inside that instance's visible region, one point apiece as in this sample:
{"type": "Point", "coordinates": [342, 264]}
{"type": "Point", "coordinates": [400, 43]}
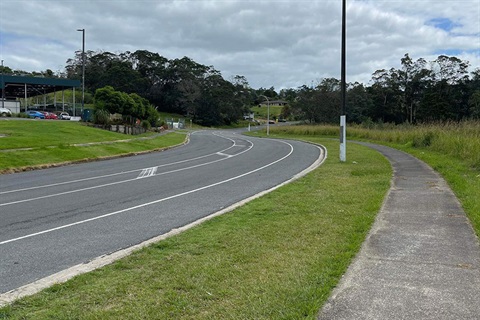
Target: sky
{"type": "Point", "coordinates": [279, 43]}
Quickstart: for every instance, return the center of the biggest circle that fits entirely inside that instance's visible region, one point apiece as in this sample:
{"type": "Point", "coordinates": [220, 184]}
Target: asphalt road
{"type": "Point", "coordinates": [56, 218]}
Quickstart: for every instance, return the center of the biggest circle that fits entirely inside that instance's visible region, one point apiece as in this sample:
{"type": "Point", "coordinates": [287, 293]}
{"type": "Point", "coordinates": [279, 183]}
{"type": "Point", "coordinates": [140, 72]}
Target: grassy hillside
{"type": "Point", "coordinates": [261, 112]}
{"type": "Point", "coordinates": [26, 144]}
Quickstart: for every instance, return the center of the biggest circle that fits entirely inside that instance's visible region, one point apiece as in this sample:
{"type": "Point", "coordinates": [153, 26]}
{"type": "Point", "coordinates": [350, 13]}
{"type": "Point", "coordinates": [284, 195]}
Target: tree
{"type": "Point", "coordinates": [386, 95]}
{"type": "Point", "coordinates": [305, 104]}
{"type": "Point", "coordinates": [443, 99]}
{"type": "Point", "coordinates": [474, 103]}
{"type": "Point", "coordinates": [139, 107]}
{"type": "Point", "coordinates": [329, 101]}
{"type": "Point", "coordinates": [218, 104]}
{"type": "Point", "coordinates": [108, 99]}
{"type": "Point", "coordinates": [414, 79]}
{"type": "Point", "coordinates": [359, 103]}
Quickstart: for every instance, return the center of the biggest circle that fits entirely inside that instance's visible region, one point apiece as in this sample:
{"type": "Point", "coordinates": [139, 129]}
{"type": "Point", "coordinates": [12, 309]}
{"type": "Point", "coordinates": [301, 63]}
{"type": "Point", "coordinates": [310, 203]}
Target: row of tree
{"type": "Point", "coordinates": [180, 85]}
{"type": "Point", "coordinates": [131, 106]}
{"type": "Point", "coordinates": [419, 91]}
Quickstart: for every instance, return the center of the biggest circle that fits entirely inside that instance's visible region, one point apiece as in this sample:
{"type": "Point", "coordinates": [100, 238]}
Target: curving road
{"type": "Point", "coordinates": [53, 219]}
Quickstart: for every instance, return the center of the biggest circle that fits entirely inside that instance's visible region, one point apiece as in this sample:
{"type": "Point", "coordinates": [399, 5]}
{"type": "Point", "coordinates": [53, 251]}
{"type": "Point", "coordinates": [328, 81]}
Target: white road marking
{"type": "Point", "coordinates": [129, 180]}
{"type": "Point", "coordinates": [148, 172]}
{"type": "Point", "coordinates": [224, 155]}
{"type": "Point", "coordinates": [121, 173]}
{"type": "Point", "coordinates": [117, 182]}
{"type": "Point", "coordinates": [152, 202]}
{"type": "Point", "coordinates": [64, 275]}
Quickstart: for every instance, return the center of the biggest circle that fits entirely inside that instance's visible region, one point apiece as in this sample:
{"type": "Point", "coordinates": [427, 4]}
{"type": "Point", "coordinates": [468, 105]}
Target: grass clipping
{"type": "Point", "coordinates": [277, 257]}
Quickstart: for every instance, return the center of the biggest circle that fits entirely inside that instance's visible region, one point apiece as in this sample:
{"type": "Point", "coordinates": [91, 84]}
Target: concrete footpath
{"type": "Point", "coordinates": [421, 259]}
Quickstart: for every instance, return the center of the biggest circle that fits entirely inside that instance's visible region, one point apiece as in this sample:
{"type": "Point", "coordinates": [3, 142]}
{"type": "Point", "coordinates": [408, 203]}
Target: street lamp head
{"type": "Point", "coordinates": [81, 30]}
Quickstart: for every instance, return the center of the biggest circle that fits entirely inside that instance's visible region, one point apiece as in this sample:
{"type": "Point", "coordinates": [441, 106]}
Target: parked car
{"type": "Point", "coordinates": [49, 115]}
{"type": "Point", "coordinates": [35, 114]}
{"type": "Point", "coordinates": [64, 116]}
{"type": "Point", "coordinates": [4, 112]}
{"type": "Point", "coordinates": [282, 120]}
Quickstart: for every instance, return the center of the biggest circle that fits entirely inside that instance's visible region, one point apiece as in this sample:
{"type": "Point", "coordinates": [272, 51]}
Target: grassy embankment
{"type": "Point", "coordinates": [261, 112]}
{"type": "Point", "coordinates": [452, 149]}
{"type": "Point", "coordinates": [277, 257]}
{"type": "Point", "coordinates": [47, 142]}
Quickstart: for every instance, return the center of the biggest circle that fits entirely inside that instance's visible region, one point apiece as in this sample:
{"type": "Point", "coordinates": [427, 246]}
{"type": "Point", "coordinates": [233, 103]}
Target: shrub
{"type": "Point", "coordinates": [145, 125]}
{"type": "Point", "coordinates": [101, 116]}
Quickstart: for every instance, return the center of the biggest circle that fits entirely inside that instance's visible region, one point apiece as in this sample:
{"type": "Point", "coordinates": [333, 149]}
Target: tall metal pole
{"type": "Point", "coordinates": [268, 117]}
{"type": "Point", "coordinates": [3, 89]}
{"type": "Point", "coordinates": [83, 68]}
{"type": "Point", "coordinates": [343, 122]}
{"type": "Point", "coordinates": [268, 114]}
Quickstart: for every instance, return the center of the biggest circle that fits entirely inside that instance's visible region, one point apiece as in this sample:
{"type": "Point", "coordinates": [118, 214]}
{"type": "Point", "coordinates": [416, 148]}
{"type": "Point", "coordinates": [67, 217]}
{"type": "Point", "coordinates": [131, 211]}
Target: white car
{"type": "Point", "coordinates": [64, 116]}
{"type": "Point", "coordinates": [5, 112]}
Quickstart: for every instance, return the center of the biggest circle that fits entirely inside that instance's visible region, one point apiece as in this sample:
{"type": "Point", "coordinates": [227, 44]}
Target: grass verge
{"type": "Point", "coordinates": [49, 143]}
{"type": "Point", "coordinates": [452, 149]}
{"type": "Point", "coordinates": [47, 133]}
{"type": "Point", "coordinates": [278, 257]}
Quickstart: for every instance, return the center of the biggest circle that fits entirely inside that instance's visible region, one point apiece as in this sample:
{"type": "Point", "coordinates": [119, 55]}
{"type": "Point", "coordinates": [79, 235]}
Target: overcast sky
{"type": "Point", "coordinates": [280, 43]}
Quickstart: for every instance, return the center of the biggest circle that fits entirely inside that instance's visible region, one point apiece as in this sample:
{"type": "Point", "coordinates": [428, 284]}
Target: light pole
{"type": "Point", "coordinates": [268, 114]}
{"type": "Point", "coordinates": [83, 68]}
{"type": "Point", "coordinates": [343, 121]}
{"type": "Point", "coordinates": [3, 89]}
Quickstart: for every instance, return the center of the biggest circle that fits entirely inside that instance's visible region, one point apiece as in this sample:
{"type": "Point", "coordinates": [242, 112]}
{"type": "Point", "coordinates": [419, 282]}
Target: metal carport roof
{"type": "Point", "coordinates": [15, 86]}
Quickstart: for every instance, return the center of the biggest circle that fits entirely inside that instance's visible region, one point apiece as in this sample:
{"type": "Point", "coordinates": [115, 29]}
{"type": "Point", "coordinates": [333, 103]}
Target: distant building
{"type": "Point", "coordinates": [274, 103]}
{"type": "Point", "coordinates": [250, 116]}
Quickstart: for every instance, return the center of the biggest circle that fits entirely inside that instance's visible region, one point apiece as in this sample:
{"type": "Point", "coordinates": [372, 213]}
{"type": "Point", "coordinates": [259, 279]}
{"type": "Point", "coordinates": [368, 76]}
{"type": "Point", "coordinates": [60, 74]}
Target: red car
{"type": "Point", "coordinates": [50, 115]}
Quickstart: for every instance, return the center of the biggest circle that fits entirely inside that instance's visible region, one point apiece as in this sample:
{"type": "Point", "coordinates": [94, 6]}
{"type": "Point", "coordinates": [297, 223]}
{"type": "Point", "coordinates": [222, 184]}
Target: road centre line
{"type": "Point", "coordinates": [151, 202]}
{"type": "Point", "coordinates": [121, 173]}
{"type": "Point", "coordinates": [123, 181]}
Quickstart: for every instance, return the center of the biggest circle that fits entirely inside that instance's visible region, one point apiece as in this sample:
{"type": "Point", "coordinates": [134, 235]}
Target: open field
{"type": "Point", "coordinates": [459, 140]}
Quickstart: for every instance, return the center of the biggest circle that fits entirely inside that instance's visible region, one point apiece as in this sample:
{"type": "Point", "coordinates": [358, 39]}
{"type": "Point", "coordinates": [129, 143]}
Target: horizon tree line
{"type": "Point", "coordinates": [418, 91]}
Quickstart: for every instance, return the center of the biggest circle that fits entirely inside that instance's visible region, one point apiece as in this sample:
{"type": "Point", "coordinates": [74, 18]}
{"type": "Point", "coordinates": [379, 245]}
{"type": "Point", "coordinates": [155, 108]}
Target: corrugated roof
{"type": "Point", "coordinates": [14, 86]}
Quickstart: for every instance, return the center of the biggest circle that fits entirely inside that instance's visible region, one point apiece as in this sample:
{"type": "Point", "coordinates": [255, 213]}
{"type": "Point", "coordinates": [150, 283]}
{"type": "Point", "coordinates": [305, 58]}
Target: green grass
{"type": "Point", "coordinates": [452, 149]}
{"type": "Point", "coordinates": [261, 112]}
{"type": "Point", "coordinates": [278, 257]}
{"type": "Point", "coordinates": [51, 143]}
{"type": "Point", "coordinates": [27, 134]}
{"type": "Point", "coordinates": [168, 115]}
{"type": "Point", "coordinates": [458, 140]}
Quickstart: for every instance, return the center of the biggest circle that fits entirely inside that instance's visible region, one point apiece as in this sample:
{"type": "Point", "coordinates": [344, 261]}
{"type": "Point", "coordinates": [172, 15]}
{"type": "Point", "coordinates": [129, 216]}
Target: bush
{"type": "Point", "coordinates": [101, 116]}
{"type": "Point", "coordinates": [423, 140]}
{"type": "Point", "coordinates": [145, 125]}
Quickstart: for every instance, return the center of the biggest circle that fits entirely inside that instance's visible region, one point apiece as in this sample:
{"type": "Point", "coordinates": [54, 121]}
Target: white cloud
{"type": "Point", "coordinates": [284, 43]}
